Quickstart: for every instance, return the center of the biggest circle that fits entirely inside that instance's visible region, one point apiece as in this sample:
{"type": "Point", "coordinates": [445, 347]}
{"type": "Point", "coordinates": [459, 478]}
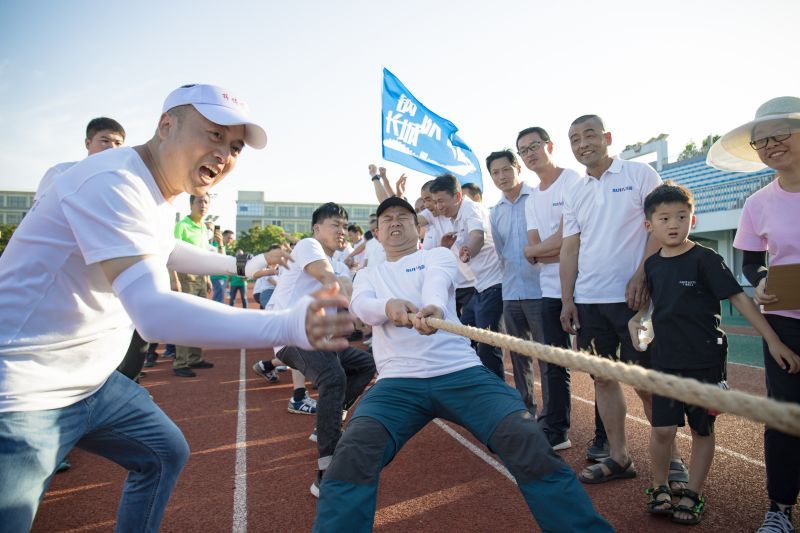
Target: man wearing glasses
{"type": "Point", "coordinates": [543, 217]}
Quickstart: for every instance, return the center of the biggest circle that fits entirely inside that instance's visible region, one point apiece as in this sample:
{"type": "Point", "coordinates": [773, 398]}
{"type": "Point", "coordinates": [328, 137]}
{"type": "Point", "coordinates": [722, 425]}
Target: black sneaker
{"type": "Point", "coordinates": [184, 372]}
{"type": "Point", "coordinates": [317, 482]}
{"type": "Point", "coordinates": [202, 364]}
{"type": "Point", "coordinates": [598, 449]}
{"type": "Point", "coordinates": [150, 360]}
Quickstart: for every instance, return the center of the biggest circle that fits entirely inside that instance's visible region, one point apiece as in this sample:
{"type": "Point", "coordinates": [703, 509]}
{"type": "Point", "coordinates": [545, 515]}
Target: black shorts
{"type": "Point", "coordinates": [604, 332]}
{"type": "Point", "coordinates": [670, 412]}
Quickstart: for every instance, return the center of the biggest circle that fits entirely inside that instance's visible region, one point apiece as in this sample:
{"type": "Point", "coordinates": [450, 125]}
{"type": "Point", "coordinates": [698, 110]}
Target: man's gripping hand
{"type": "Point", "coordinates": [328, 331]}
{"type": "Point", "coordinates": [419, 322]}
{"type": "Point", "coordinates": [397, 311]}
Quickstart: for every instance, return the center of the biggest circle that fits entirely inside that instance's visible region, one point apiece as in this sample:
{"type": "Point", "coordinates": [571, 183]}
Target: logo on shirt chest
{"type": "Point", "coordinates": [558, 204]}
{"type": "Point", "coordinates": [689, 283]}
{"type": "Point", "coordinates": [622, 189]}
{"type": "Point", "coordinates": [414, 269]}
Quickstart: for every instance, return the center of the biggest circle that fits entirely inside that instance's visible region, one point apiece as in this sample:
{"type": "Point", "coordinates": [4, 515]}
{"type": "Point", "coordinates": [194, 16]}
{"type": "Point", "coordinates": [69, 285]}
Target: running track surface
{"type": "Point", "coordinates": [436, 483]}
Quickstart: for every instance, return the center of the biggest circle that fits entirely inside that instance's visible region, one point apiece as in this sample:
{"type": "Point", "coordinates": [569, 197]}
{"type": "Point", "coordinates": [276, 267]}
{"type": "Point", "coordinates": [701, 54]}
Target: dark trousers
{"type": "Point", "coordinates": [523, 319]}
{"type": "Point", "coordinates": [483, 311]}
{"type": "Point", "coordinates": [340, 378]}
{"type": "Point", "coordinates": [131, 365]}
{"type": "Point", "coordinates": [782, 451]}
{"type": "Point", "coordinates": [557, 417]}
{"type": "Point", "coordinates": [463, 296]}
{"type": "Point", "coordinates": [242, 294]}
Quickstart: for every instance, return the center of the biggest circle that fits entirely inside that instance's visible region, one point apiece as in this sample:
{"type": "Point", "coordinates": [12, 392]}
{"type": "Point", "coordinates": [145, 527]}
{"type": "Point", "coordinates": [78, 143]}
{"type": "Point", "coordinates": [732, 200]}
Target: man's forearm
{"type": "Point", "coordinates": [475, 242]}
{"type": "Point", "coordinates": [568, 270]}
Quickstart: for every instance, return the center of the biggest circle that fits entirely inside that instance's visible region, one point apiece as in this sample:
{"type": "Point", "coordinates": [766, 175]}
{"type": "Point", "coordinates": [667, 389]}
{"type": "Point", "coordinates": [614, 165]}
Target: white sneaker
{"type": "Point", "coordinates": [306, 406]}
{"type": "Point", "coordinates": [313, 436]}
{"type": "Point", "coordinates": [776, 522]}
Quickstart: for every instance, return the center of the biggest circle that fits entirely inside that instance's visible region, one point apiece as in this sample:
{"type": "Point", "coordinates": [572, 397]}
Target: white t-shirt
{"type": "Point", "coordinates": [543, 213]}
{"type": "Point", "coordinates": [294, 281]}
{"type": "Point", "coordinates": [375, 254]}
{"type": "Point", "coordinates": [609, 215]}
{"type": "Point", "coordinates": [50, 175]}
{"type": "Point", "coordinates": [63, 330]}
{"type": "Point", "coordinates": [263, 284]}
{"type": "Point", "coordinates": [337, 261]}
{"type": "Point", "coordinates": [436, 229]}
{"type": "Point", "coordinates": [423, 277]}
{"type": "Point", "coordinates": [486, 265]}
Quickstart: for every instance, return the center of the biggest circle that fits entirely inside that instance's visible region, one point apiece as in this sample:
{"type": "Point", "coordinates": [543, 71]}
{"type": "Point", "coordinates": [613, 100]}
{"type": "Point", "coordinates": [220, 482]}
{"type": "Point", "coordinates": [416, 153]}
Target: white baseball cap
{"type": "Point", "coordinates": [220, 107]}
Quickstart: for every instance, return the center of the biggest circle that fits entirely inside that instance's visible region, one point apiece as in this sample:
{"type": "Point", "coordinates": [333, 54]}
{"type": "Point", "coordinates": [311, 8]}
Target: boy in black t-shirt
{"type": "Point", "coordinates": [686, 283]}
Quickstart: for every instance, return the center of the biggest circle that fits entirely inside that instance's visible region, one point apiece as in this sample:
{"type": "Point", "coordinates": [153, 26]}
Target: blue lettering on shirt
{"type": "Point", "coordinates": [622, 189]}
{"type": "Point", "coordinates": [414, 269]}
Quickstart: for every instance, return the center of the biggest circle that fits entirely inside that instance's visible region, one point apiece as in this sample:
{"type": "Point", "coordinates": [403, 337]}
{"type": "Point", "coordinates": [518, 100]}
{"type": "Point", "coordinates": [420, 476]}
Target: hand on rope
{"type": "Point", "coordinates": [782, 416]}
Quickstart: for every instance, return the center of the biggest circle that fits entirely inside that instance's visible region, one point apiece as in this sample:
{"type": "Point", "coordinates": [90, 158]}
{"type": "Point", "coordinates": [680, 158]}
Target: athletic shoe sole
{"type": "Point", "coordinates": [562, 445]}
{"type": "Point", "coordinates": [299, 412]}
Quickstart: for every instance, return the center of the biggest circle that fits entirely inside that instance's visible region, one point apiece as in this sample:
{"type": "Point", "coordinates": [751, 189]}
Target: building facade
{"type": "Point", "coordinates": [252, 210]}
{"type": "Point", "coordinates": [14, 205]}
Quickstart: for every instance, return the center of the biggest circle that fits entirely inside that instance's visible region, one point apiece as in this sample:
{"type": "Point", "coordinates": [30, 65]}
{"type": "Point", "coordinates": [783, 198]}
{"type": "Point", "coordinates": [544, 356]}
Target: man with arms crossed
{"type": "Point", "coordinates": [543, 216]}
{"type": "Point", "coordinates": [426, 374]}
{"type": "Point", "coordinates": [99, 241]}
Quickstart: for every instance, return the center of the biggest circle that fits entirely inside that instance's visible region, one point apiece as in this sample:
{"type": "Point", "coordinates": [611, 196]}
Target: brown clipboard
{"type": "Point", "coordinates": [784, 282]}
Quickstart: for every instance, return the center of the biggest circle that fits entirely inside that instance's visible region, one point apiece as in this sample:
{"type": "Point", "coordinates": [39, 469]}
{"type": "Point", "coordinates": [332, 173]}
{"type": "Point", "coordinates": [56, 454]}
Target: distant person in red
{"type": "Point", "coordinates": [86, 265]}
{"type": "Point", "coordinates": [768, 226]}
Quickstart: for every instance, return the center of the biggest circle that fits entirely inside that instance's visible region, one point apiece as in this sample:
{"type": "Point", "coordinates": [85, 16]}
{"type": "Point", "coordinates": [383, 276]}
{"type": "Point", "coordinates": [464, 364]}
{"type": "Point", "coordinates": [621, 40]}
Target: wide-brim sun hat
{"type": "Point", "coordinates": [732, 151]}
{"type": "Point", "coordinates": [220, 107]}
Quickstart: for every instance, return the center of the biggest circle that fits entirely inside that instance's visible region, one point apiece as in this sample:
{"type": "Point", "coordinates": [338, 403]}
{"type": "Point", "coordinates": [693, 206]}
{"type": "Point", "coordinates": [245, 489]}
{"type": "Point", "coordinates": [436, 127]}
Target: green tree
{"type": "Point", "coordinates": [257, 239]}
{"type": "Point", "coordinates": [6, 231]}
{"type": "Point", "coordinates": [691, 150]}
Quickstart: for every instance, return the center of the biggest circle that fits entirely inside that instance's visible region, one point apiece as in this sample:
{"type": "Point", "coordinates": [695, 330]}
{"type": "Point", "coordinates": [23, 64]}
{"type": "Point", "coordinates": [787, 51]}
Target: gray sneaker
{"type": "Point", "coordinates": [776, 522]}
{"type": "Point", "coordinates": [598, 449]}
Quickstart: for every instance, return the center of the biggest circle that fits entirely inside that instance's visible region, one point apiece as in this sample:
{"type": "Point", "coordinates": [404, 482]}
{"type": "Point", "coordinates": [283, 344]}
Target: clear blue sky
{"type": "Point", "coordinates": [311, 72]}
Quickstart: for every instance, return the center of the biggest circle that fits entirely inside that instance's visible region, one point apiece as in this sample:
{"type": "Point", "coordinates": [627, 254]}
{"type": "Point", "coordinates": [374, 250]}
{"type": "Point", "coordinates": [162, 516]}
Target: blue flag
{"type": "Point", "coordinates": [416, 138]}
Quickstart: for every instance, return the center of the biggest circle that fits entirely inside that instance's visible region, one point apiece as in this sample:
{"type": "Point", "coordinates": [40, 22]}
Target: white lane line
{"type": "Point", "coordinates": [645, 422]}
{"type": "Point", "coordinates": [474, 449]}
{"type": "Point", "coordinates": [240, 476]}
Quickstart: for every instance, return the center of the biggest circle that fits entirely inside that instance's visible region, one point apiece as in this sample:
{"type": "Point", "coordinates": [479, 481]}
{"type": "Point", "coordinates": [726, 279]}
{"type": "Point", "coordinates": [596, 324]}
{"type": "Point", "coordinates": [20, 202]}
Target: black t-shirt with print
{"type": "Point", "coordinates": [686, 291]}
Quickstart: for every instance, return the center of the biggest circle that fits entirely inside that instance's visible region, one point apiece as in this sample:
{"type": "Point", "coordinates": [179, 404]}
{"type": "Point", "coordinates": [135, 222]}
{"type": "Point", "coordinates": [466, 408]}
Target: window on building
{"type": "Point", "coordinates": [286, 211]}
{"type": "Point", "coordinates": [16, 202]}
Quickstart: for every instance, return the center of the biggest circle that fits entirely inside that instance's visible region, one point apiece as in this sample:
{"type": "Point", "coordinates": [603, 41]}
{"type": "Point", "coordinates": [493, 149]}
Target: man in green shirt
{"type": "Point", "coordinates": [192, 230]}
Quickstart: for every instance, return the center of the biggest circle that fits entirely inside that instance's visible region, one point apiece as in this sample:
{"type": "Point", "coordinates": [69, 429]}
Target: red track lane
{"type": "Point", "coordinates": [435, 483]}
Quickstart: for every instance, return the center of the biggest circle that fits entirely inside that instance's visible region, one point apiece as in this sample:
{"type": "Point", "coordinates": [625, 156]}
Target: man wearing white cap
{"type": "Point", "coordinates": [99, 242]}
{"type": "Point", "coordinates": [769, 225]}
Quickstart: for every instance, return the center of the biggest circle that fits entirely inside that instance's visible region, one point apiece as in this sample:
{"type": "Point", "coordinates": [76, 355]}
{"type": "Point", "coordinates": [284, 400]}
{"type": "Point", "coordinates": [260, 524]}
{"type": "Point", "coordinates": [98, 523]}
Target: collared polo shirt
{"type": "Point", "coordinates": [190, 231]}
{"type": "Point", "coordinates": [510, 235]}
{"type": "Point", "coordinates": [486, 265]}
{"type": "Point", "coordinates": [608, 213]}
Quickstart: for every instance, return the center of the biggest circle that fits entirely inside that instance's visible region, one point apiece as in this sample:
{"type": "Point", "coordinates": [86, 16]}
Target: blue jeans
{"type": "Point", "coordinates": [218, 286]}
{"type": "Point", "coordinates": [266, 294]}
{"type": "Point", "coordinates": [233, 290]}
{"type": "Point", "coordinates": [395, 409]}
{"type": "Point", "coordinates": [483, 311]}
{"type": "Point", "coordinates": [119, 422]}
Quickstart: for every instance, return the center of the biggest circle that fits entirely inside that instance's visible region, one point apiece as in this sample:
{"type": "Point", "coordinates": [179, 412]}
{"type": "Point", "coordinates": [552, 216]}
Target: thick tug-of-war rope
{"type": "Point", "coordinates": [778, 415]}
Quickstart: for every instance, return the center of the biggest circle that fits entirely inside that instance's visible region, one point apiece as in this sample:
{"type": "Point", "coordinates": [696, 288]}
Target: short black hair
{"type": "Point", "coordinates": [227, 232]}
{"type": "Point", "coordinates": [494, 156]}
{"type": "Point", "coordinates": [668, 192]}
{"type": "Point", "coordinates": [356, 228]}
{"type": "Point", "coordinates": [584, 118]}
{"type": "Point", "coordinates": [446, 183]}
{"type": "Point", "coordinates": [274, 247]}
{"type": "Point", "coordinates": [533, 129]}
{"type": "Point", "coordinates": [192, 198]}
{"type": "Point", "coordinates": [328, 210]}
{"type": "Point", "coordinates": [427, 185]}
{"type": "Point", "coordinates": [472, 188]}
{"type": "Point", "coordinates": [103, 123]}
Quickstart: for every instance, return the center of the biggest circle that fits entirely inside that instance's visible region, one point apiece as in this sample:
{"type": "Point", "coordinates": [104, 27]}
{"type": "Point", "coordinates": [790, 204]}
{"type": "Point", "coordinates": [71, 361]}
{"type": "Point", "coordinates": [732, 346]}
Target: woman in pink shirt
{"type": "Point", "coordinates": [770, 225]}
